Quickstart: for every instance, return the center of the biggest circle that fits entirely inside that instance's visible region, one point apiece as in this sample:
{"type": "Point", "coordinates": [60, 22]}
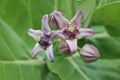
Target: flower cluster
{"type": "Point", "coordinates": [68, 31]}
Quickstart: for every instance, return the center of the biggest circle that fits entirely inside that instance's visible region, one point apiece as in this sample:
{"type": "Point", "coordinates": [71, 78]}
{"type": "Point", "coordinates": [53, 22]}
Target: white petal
{"type": "Point", "coordinates": [36, 50]}
{"type": "Point", "coordinates": [85, 32]}
{"type": "Point", "coordinates": [77, 19]}
{"type": "Point", "coordinates": [59, 34]}
{"type": "Point", "coordinates": [72, 45]}
{"type": "Point", "coordinates": [34, 33]}
{"type": "Point", "coordinates": [45, 26]}
{"type": "Point", "coordinates": [49, 53]}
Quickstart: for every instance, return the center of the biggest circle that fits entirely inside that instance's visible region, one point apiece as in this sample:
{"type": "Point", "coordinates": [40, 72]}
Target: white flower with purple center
{"type": "Point", "coordinates": [44, 39]}
{"type": "Point", "coordinates": [70, 31]}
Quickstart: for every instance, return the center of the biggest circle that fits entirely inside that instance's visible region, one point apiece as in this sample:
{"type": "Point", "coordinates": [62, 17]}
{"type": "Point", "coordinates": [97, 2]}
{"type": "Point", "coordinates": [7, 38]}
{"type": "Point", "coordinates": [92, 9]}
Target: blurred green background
{"type": "Point", "coordinates": [16, 16]}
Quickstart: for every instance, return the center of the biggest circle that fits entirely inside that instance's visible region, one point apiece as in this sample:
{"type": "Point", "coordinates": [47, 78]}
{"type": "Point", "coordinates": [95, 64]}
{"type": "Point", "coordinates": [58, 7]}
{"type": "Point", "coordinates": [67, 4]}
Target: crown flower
{"type": "Point", "coordinates": [44, 39]}
{"type": "Point", "coordinates": [70, 31]}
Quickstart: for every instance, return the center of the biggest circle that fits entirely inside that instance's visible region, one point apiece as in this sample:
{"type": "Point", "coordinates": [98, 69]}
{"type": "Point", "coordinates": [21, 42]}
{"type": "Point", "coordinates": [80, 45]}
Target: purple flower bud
{"type": "Point", "coordinates": [53, 22]}
{"type": "Point", "coordinates": [89, 53]}
{"type": "Point", "coordinates": [64, 48]}
{"type": "Point", "coordinates": [58, 20]}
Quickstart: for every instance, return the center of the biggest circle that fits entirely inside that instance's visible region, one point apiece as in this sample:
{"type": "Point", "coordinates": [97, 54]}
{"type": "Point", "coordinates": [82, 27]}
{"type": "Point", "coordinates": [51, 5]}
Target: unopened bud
{"type": "Point", "coordinates": [53, 22]}
{"type": "Point", "coordinates": [89, 53]}
{"type": "Point", "coordinates": [64, 48]}
{"type": "Point", "coordinates": [58, 20]}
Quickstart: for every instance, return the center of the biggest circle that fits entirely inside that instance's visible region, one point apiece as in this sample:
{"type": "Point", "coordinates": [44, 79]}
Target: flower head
{"type": "Point", "coordinates": [44, 39]}
{"type": "Point", "coordinates": [70, 31]}
{"type": "Point", "coordinates": [89, 53]}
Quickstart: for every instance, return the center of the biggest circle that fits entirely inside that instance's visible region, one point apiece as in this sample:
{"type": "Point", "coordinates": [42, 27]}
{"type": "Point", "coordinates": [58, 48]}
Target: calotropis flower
{"type": "Point", "coordinates": [70, 31]}
{"type": "Point", "coordinates": [44, 39]}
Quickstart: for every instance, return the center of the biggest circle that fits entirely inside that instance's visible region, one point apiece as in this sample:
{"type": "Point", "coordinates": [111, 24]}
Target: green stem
{"type": "Point", "coordinates": [73, 7]}
{"type": "Point", "coordinates": [56, 4]}
{"type": "Point", "coordinates": [79, 48]}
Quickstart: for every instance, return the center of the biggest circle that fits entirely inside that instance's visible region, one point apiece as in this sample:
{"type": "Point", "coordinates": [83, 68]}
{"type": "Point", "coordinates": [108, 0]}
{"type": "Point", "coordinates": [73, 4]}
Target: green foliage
{"type": "Point", "coordinates": [108, 36]}
{"type": "Point", "coordinates": [16, 16]}
{"type": "Point", "coordinates": [74, 68]}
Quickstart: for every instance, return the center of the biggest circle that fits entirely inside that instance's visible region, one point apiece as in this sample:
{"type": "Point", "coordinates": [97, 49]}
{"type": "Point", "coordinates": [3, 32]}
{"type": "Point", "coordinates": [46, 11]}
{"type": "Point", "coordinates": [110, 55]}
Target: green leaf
{"type": "Point", "coordinates": [15, 60]}
{"type": "Point", "coordinates": [13, 47]}
{"type": "Point", "coordinates": [101, 69]}
{"type": "Point", "coordinates": [67, 69]}
{"type": "Point", "coordinates": [107, 15]}
{"type": "Point", "coordinates": [74, 68]}
{"type": "Point", "coordinates": [104, 2]}
{"type": "Point", "coordinates": [52, 76]}
{"type": "Point", "coordinates": [21, 70]}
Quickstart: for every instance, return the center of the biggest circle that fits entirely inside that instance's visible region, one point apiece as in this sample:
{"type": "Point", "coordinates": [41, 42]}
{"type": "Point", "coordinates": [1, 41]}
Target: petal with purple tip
{"type": "Point", "coordinates": [34, 33]}
{"type": "Point", "coordinates": [36, 50]}
{"type": "Point", "coordinates": [49, 53]}
{"type": "Point", "coordinates": [85, 32]}
{"type": "Point", "coordinates": [77, 19]}
{"type": "Point", "coordinates": [72, 45]}
{"type": "Point", "coordinates": [45, 26]}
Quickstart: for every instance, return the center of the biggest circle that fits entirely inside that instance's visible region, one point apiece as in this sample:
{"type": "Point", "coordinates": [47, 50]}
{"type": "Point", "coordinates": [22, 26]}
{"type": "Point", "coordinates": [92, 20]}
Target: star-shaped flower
{"type": "Point", "coordinates": [70, 31]}
{"type": "Point", "coordinates": [44, 39]}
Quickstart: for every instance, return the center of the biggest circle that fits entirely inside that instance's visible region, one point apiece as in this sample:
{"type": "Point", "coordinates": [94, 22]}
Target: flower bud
{"type": "Point", "coordinates": [58, 20]}
{"type": "Point", "coordinates": [89, 53]}
{"type": "Point", "coordinates": [53, 22]}
{"type": "Point", "coordinates": [64, 48]}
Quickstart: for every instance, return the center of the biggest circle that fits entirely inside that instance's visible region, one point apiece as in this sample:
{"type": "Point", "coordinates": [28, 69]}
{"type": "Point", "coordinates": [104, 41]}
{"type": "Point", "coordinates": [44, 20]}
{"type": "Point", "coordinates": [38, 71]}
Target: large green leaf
{"type": "Point", "coordinates": [15, 61]}
{"type": "Point", "coordinates": [21, 70]}
{"type": "Point", "coordinates": [103, 2]}
{"type": "Point", "coordinates": [107, 14]}
{"type": "Point", "coordinates": [75, 69]}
